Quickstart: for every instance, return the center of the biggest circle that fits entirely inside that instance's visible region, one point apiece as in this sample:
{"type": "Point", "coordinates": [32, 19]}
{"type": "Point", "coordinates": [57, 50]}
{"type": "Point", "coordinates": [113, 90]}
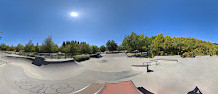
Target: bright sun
{"type": "Point", "coordinates": [74, 14]}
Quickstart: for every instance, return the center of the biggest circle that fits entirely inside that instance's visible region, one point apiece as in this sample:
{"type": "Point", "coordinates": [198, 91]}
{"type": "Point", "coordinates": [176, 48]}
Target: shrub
{"type": "Point", "coordinates": [79, 58]}
{"type": "Point", "coordinates": [186, 54]}
{"type": "Point", "coordinates": [32, 55]}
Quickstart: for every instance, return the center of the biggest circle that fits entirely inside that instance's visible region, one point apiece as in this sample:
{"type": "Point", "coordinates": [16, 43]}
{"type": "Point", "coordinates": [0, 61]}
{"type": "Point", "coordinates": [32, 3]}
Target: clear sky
{"type": "Point", "coordinates": [101, 20]}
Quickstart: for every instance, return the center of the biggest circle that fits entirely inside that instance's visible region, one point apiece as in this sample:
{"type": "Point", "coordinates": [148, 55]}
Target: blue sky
{"type": "Point", "coordinates": [103, 20]}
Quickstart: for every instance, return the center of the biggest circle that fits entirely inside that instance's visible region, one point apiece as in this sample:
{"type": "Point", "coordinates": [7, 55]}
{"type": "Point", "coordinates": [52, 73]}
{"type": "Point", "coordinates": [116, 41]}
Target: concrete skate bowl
{"type": "Point", "coordinates": [17, 81]}
{"type": "Point", "coordinates": [55, 70]}
{"type": "Point", "coordinates": [111, 76]}
{"type": "Point", "coordinates": [13, 59]}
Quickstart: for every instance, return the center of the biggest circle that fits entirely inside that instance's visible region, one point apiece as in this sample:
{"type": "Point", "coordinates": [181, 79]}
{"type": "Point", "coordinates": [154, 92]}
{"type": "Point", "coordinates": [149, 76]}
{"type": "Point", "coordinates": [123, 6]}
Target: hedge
{"type": "Point", "coordinates": [79, 58]}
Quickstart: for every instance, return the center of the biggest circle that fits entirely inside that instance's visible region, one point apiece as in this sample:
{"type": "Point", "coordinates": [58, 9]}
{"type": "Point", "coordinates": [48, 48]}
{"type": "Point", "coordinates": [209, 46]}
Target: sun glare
{"type": "Point", "coordinates": [74, 14]}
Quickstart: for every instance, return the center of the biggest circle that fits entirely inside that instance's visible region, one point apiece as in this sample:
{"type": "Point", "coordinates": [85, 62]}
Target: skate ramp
{"type": "Point", "coordinates": [111, 76]}
{"type": "Point", "coordinates": [56, 70]}
{"type": "Point", "coordinates": [14, 59]}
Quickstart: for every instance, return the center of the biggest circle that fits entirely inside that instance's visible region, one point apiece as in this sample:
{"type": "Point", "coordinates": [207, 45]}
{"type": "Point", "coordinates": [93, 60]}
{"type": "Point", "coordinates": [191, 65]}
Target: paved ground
{"type": "Point", "coordinates": [19, 76]}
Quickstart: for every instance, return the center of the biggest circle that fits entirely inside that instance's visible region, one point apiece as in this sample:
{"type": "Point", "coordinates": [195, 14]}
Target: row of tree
{"type": "Point", "coordinates": [75, 47]}
{"type": "Point", "coordinates": [183, 46]}
{"type": "Point", "coordinates": [160, 45]}
{"type": "Point", "coordinates": [157, 45]}
{"type": "Point", "coordinates": [48, 46]}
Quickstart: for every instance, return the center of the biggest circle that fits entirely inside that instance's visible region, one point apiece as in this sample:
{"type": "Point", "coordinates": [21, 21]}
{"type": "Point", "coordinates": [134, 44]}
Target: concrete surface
{"type": "Point", "coordinates": [19, 76]}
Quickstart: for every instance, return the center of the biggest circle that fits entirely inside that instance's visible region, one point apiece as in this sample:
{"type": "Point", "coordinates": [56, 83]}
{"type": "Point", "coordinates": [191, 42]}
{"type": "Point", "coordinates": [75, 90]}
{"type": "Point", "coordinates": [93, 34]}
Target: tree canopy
{"type": "Point", "coordinates": [160, 45]}
{"type": "Point", "coordinates": [48, 46]}
{"type": "Point", "coordinates": [94, 49]}
{"type": "Point", "coordinates": [136, 42]}
{"type": "Point", "coordinates": [29, 47]}
{"type": "Point", "coordinates": [19, 47]}
{"type": "Point", "coordinates": [183, 46]}
{"type": "Point", "coordinates": [111, 45]}
{"type": "Point", "coordinates": [102, 48]}
{"type": "Point", "coordinates": [3, 46]}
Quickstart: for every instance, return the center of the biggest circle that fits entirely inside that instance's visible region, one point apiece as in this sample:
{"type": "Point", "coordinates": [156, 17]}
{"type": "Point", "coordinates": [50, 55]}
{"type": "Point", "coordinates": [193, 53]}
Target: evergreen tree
{"type": "Point", "coordinates": [64, 44]}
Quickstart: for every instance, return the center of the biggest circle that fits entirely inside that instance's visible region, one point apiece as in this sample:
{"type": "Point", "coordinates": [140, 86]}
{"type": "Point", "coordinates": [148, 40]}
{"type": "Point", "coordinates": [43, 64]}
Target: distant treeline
{"type": "Point", "coordinates": [48, 46]}
{"type": "Point", "coordinates": [157, 45]}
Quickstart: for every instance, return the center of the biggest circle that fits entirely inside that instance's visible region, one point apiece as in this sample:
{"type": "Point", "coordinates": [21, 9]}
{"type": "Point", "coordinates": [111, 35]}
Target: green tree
{"type": "Point", "coordinates": [143, 43]}
{"type": "Point", "coordinates": [12, 48]}
{"type": "Point", "coordinates": [216, 48]}
{"type": "Point", "coordinates": [120, 48]}
{"type": "Point", "coordinates": [3, 46]}
{"type": "Point", "coordinates": [19, 47]}
{"type": "Point", "coordinates": [130, 42]}
{"type": "Point", "coordinates": [156, 48]}
{"type": "Point", "coordinates": [7, 48]}
{"type": "Point", "coordinates": [73, 47]}
{"type": "Point", "coordinates": [67, 42]}
{"type": "Point", "coordinates": [102, 48]}
{"type": "Point", "coordinates": [94, 49]}
{"type": "Point", "coordinates": [0, 37]}
{"type": "Point", "coordinates": [37, 48]}
{"type": "Point", "coordinates": [167, 45]}
{"type": "Point", "coordinates": [63, 44]}
{"type": "Point", "coordinates": [111, 45]}
{"type": "Point", "coordinates": [136, 42]}
{"type": "Point", "coordinates": [70, 47]}
{"type": "Point", "coordinates": [48, 46]}
{"type": "Point", "coordinates": [29, 47]}
{"type": "Point", "coordinates": [84, 48]}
